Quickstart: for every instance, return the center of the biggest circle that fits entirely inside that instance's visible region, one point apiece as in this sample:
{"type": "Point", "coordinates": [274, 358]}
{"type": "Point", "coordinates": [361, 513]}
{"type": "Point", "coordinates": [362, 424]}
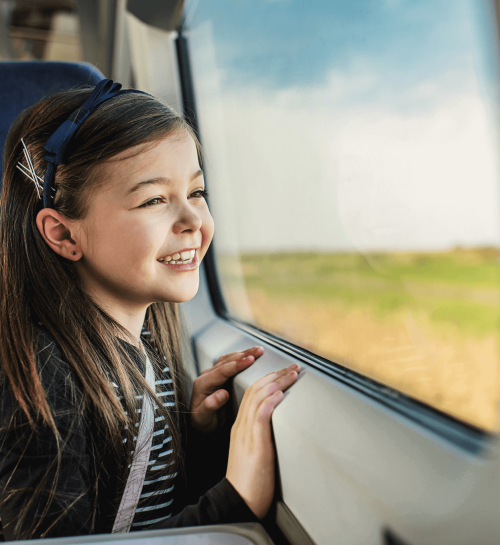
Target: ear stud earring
{"type": "Point", "coordinates": [73, 253]}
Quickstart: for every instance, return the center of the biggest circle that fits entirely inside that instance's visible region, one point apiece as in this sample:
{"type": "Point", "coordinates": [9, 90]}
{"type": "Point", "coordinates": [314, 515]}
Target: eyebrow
{"type": "Point", "coordinates": [159, 181]}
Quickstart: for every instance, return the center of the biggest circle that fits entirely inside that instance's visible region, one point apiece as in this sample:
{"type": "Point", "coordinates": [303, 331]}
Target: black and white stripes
{"type": "Point", "coordinates": [157, 495]}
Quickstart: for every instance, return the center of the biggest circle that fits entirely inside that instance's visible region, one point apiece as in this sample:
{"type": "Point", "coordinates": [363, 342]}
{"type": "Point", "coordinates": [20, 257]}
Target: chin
{"type": "Point", "coordinates": [181, 296]}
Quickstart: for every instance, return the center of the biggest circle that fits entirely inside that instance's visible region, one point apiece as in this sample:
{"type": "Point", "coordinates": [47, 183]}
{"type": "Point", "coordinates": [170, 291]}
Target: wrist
{"type": "Point", "coordinates": [203, 428]}
{"type": "Point", "coordinates": [248, 502]}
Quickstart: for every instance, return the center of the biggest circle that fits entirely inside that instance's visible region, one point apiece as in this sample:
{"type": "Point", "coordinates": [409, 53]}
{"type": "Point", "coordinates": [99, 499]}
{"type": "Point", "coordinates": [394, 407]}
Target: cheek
{"type": "Point", "coordinates": [118, 245]}
{"type": "Point", "coordinates": [207, 231]}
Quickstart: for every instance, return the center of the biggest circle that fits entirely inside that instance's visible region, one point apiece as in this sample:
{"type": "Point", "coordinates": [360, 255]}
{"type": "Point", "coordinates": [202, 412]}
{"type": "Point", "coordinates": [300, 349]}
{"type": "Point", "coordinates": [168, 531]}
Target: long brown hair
{"type": "Point", "coordinates": [40, 289]}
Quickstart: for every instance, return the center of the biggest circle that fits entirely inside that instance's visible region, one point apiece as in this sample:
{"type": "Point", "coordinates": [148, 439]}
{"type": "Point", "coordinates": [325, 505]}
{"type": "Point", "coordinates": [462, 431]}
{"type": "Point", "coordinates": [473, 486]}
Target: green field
{"type": "Point", "coordinates": [459, 287]}
{"type": "Point", "coordinates": [424, 323]}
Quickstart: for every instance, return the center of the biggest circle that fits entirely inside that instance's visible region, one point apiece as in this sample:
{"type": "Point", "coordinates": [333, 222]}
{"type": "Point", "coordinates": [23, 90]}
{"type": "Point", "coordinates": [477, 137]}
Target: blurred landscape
{"type": "Point", "coordinates": [424, 323]}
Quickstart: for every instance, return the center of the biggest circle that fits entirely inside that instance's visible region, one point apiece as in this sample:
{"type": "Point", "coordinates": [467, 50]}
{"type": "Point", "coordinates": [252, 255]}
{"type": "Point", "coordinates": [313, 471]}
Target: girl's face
{"type": "Point", "coordinates": [148, 208]}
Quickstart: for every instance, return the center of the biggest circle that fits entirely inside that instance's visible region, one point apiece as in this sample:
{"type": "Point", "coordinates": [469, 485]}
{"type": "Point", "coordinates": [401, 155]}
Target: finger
{"type": "Point", "coordinates": [221, 361]}
{"type": "Point", "coordinates": [243, 361]}
{"type": "Point", "coordinates": [255, 351]}
{"type": "Point", "coordinates": [266, 386]}
{"type": "Point", "coordinates": [266, 409]}
{"type": "Point", "coordinates": [206, 413]}
{"type": "Point", "coordinates": [262, 382]}
{"type": "Point", "coordinates": [215, 401]}
{"type": "Point", "coordinates": [267, 403]}
{"type": "Point", "coordinates": [217, 376]}
{"type": "Point", "coordinates": [247, 356]}
{"type": "Point", "coordinates": [282, 383]}
{"type": "Point", "coordinates": [257, 385]}
{"type": "Point", "coordinates": [228, 357]}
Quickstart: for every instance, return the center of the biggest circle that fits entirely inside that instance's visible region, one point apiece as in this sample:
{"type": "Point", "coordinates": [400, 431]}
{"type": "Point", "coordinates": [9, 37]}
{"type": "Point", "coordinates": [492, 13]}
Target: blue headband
{"type": "Point", "coordinates": [56, 145]}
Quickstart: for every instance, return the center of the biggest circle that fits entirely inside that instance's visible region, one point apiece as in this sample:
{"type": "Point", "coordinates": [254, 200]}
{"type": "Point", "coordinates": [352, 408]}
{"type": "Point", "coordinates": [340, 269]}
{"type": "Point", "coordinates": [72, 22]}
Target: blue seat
{"type": "Point", "coordinates": [24, 83]}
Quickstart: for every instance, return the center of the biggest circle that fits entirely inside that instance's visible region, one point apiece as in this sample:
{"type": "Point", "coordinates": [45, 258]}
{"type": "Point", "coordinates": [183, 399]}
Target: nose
{"type": "Point", "coordinates": [188, 218]}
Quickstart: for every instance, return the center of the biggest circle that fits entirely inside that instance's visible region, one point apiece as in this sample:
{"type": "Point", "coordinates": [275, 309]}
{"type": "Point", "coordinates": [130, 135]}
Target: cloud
{"type": "Point", "coordinates": [339, 166]}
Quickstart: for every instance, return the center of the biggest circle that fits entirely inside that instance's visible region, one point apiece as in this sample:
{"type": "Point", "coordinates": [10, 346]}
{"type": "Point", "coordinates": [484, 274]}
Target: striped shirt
{"type": "Point", "coordinates": [27, 461]}
{"type": "Point", "coordinates": [157, 495]}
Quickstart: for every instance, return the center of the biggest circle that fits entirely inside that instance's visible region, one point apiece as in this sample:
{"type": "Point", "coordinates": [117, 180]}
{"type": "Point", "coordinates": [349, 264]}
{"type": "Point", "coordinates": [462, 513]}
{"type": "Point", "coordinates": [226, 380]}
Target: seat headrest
{"type": "Point", "coordinates": [26, 82]}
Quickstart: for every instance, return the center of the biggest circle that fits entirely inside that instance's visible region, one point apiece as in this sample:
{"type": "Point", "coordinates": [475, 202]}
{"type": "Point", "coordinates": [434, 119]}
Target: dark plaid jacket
{"type": "Point", "coordinates": [86, 499]}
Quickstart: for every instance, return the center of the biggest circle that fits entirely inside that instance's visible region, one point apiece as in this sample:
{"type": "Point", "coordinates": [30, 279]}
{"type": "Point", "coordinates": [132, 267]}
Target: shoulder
{"type": "Point", "coordinates": [50, 361]}
{"type": "Point", "coordinates": [57, 377]}
{"type": "Point", "coordinates": [60, 384]}
{"type": "Point", "coordinates": [45, 344]}
{"type": "Point", "coordinates": [64, 395]}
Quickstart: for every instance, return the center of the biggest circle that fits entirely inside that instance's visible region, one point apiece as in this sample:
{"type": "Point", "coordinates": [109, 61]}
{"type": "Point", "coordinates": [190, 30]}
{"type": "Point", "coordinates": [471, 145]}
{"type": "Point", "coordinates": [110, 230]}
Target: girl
{"type": "Point", "coordinates": [103, 226]}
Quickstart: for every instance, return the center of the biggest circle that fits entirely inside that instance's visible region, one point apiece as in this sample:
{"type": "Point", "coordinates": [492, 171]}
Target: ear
{"type": "Point", "coordinates": [59, 233]}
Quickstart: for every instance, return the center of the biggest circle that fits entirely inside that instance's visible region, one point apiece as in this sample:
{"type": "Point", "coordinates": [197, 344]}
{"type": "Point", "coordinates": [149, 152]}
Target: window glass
{"type": "Point", "coordinates": [352, 168]}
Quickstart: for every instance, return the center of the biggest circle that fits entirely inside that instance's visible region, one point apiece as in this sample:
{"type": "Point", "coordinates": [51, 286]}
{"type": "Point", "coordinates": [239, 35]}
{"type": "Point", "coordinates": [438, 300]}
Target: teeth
{"type": "Point", "coordinates": [178, 262]}
{"type": "Point", "coordinates": [183, 257]}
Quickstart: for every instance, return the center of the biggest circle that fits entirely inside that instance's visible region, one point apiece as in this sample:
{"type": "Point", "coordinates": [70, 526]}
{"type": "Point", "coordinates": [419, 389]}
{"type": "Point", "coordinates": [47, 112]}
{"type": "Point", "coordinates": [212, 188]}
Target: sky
{"type": "Point", "coordinates": [363, 125]}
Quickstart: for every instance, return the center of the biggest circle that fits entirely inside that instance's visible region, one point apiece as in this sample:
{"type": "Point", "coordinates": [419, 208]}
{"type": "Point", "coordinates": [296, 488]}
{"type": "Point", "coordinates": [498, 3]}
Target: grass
{"type": "Point", "coordinates": [458, 287]}
{"type": "Point", "coordinates": [426, 324]}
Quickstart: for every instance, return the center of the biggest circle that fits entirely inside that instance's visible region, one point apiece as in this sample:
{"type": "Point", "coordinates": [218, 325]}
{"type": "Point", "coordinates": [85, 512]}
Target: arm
{"type": "Point", "coordinates": [222, 504]}
{"type": "Point", "coordinates": [208, 498]}
{"type": "Point", "coordinates": [43, 494]}
{"type": "Point", "coordinates": [245, 494]}
{"type": "Point", "coordinates": [205, 496]}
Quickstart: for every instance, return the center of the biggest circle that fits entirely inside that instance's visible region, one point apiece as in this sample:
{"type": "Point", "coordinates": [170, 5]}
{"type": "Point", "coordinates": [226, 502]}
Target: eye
{"type": "Point", "coordinates": [202, 193]}
{"type": "Point", "coordinates": [153, 202]}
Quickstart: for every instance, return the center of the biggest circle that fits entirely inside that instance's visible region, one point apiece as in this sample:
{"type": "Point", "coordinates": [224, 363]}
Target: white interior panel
{"type": "Point", "coordinates": [350, 467]}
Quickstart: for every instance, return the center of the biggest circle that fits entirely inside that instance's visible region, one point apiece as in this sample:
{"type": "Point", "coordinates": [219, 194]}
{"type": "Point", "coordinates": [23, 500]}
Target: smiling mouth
{"type": "Point", "coordinates": [179, 258]}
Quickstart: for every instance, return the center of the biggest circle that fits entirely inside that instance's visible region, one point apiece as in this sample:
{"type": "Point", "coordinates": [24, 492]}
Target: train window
{"type": "Point", "coordinates": [352, 169]}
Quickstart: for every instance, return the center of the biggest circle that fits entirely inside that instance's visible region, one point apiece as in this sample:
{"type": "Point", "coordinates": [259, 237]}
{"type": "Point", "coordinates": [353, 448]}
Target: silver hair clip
{"type": "Point", "coordinates": [29, 171]}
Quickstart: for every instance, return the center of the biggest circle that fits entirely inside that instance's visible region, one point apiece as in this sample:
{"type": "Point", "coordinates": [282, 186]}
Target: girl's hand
{"type": "Point", "coordinates": [207, 397]}
{"type": "Point", "coordinates": [250, 467]}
